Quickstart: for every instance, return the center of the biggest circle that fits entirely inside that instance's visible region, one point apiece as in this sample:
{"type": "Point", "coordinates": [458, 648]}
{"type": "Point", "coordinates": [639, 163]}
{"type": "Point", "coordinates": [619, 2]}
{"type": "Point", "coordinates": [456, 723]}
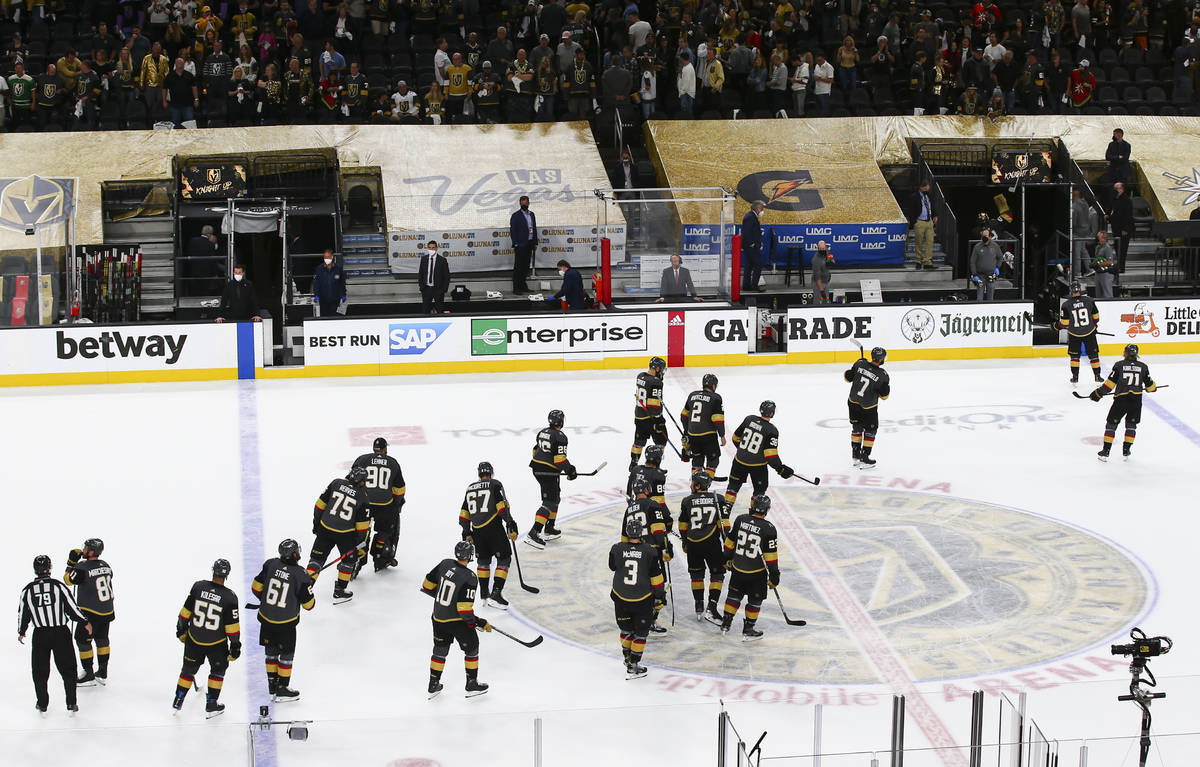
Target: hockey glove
{"type": "Point", "coordinates": [785, 471]}
{"type": "Point", "coordinates": [73, 557]}
{"type": "Point", "coordinates": [660, 425]}
{"type": "Point", "coordinates": [181, 630]}
{"type": "Point", "coordinates": [659, 605]}
{"type": "Point", "coordinates": [235, 650]}
{"type": "Point", "coordinates": [669, 553]}
{"type": "Point", "coordinates": [1096, 395]}
{"type": "Point", "coordinates": [467, 537]}
{"type": "Point", "coordinates": [571, 473]}
{"type": "Point", "coordinates": [773, 578]}
{"type": "Point", "coordinates": [513, 532]}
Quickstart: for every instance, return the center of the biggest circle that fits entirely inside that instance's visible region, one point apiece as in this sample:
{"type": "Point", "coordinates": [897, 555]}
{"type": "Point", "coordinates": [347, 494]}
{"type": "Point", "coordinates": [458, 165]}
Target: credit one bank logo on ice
{"type": "Point", "coordinates": [413, 337]}
{"type": "Point", "coordinates": [557, 335]}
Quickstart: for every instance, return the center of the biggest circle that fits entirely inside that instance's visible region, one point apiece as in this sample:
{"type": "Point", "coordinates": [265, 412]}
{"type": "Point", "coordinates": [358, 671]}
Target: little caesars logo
{"type": "Point", "coordinates": [557, 335]}
{"type": "Point", "coordinates": [954, 587]}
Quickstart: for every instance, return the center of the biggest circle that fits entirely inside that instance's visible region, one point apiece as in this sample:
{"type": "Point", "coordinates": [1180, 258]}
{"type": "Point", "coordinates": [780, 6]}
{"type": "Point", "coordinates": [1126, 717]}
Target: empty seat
{"type": "Point", "coordinates": [1119, 76]}
{"type": "Point", "coordinates": [1107, 95]}
{"type": "Point", "coordinates": [1156, 96]}
{"type": "Point", "coordinates": [1132, 96]}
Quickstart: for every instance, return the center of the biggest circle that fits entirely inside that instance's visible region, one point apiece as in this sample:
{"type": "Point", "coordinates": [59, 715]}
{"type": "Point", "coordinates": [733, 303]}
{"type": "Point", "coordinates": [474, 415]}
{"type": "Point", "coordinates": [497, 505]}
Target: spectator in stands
{"type": "Point", "coordinates": [458, 89]}
{"type": "Point", "coordinates": [441, 63]}
{"type": "Point", "coordinates": [1117, 154]}
{"type": "Point", "coordinates": [332, 61]}
{"type": "Point", "coordinates": [270, 104]}
{"type": "Point", "coordinates": [969, 103]}
{"type": "Point", "coordinates": [139, 46]}
{"type": "Point", "coordinates": [218, 68]}
{"type": "Point", "coordinates": [500, 50]}
{"type": "Point", "coordinates": [546, 85]}
{"type": "Point", "coordinates": [406, 105]}
{"type": "Point", "coordinates": [1006, 73]}
{"type": "Point", "coordinates": [238, 302]}
{"type": "Point", "coordinates": [1083, 85]}
{"type": "Point", "coordinates": [180, 95]}
{"type": "Point", "coordinates": [566, 52]}
{"type": "Point", "coordinates": [777, 86]}
{"type": "Point", "coordinates": [329, 286]}
{"type": "Point", "coordinates": [21, 88]}
{"type": "Point", "coordinates": [752, 242]}
{"type": "Point", "coordinates": [87, 96]}
{"type": "Point", "coordinates": [106, 41]}
{"type": "Point", "coordinates": [1058, 80]}
{"type": "Point", "coordinates": [1081, 23]}
{"type": "Point", "coordinates": [240, 99]}
{"type": "Point", "coordinates": [47, 107]}
{"type": "Point", "coordinates": [208, 21]}
{"type": "Point", "coordinates": [821, 275]}
{"type": "Point", "coordinates": [1102, 25]}
{"type": "Point", "coordinates": [247, 62]}
{"type": "Point", "coordinates": [68, 70]}
{"type": "Point", "coordinates": [1105, 265]}
{"type": "Point", "coordinates": [1137, 24]}
{"type": "Point", "coordinates": [986, 258]}
{"type": "Point", "coordinates": [433, 279]}
{"type": "Point", "coordinates": [822, 76]}
{"type": "Point", "coordinates": [1083, 232]}
{"type": "Point", "coordinates": [435, 105]}
{"type": "Point", "coordinates": [1031, 85]}
{"type": "Point", "coordinates": [880, 65]}
{"type": "Point", "coordinates": [487, 95]}
{"type": "Point", "coordinates": [676, 282]}
{"type": "Point", "coordinates": [541, 51]}
{"type": "Point", "coordinates": [686, 86]}
{"type": "Point", "coordinates": [571, 290]}
{"type": "Point", "coordinates": [580, 87]}
{"type": "Point", "coordinates": [297, 92]}
{"type": "Point", "coordinates": [799, 85]}
{"type": "Point", "coordinates": [712, 80]}
{"type": "Point", "coordinates": [1120, 218]}
{"type": "Point", "coordinates": [1053, 19]}
{"type": "Point", "coordinates": [975, 71]}
{"type": "Point", "coordinates": [473, 51]}
{"type": "Point", "coordinates": [151, 75]}
{"type": "Point", "coordinates": [552, 18]}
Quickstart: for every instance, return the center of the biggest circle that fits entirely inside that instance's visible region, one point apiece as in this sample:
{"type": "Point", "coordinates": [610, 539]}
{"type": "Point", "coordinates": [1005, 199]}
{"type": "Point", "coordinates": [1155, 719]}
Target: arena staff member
{"type": "Point", "coordinates": [238, 302]}
{"type": "Point", "coordinates": [752, 247]}
{"type": "Point", "coordinates": [676, 282]}
{"type": "Point", "coordinates": [572, 287]}
{"type": "Point", "coordinates": [522, 227]}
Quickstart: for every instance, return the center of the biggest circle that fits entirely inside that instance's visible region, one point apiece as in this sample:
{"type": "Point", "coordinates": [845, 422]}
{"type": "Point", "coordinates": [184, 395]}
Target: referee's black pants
{"type": "Point", "coordinates": [56, 640]}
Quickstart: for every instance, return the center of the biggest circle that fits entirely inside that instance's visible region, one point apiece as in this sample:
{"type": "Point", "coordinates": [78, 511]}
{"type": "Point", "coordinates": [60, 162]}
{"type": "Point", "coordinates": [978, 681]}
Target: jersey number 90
{"type": "Point", "coordinates": [379, 477]}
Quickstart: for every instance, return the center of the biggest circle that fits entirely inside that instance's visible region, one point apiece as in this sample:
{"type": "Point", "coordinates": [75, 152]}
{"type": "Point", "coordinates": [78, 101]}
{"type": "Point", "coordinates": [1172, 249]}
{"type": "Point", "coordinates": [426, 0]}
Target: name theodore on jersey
{"type": "Point", "coordinates": [116, 344]}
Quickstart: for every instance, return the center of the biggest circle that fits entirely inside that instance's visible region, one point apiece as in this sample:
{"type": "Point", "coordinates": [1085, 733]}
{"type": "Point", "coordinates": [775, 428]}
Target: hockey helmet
{"type": "Point", "coordinates": [357, 475]}
{"type": "Point", "coordinates": [484, 469]}
{"type": "Point", "coordinates": [878, 355]}
{"type": "Point", "coordinates": [767, 408]}
{"type": "Point", "coordinates": [289, 550]}
{"type": "Point", "coordinates": [633, 528]}
{"type": "Point", "coordinates": [760, 505]}
{"type": "Point", "coordinates": [379, 445]}
{"type": "Point", "coordinates": [41, 565]}
{"type": "Point", "coordinates": [658, 364]}
{"type": "Point", "coordinates": [709, 381]}
{"type": "Point", "coordinates": [556, 418]}
{"type": "Point", "coordinates": [701, 480]}
{"type": "Point", "coordinates": [221, 568]}
{"type": "Point", "coordinates": [1076, 287]}
{"type": "Point", "coordinates": [94, 545]}
{"type": "Point", "coordinates": [640, 486]}
{"type": "Point", "coordinates": [464, 551]}
{"type": "Point", "coordinates": [1131, 352]}
{"type": "Point", "coordinates": [653, 454]}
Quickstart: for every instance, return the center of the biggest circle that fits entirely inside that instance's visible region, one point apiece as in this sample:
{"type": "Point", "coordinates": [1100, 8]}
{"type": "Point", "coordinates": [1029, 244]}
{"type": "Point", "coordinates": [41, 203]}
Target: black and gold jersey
{"type": "Point", "coordinates": [550, 452]}
{"type": "Point", "coordinates": [483, 503]}
{"type": "Point", "coordinates": [1079, 316]}
{"type": "Point", "coordinates": [869, 383]}
{"type": "Point", "coordinates": [701, 515]}
{"type": "Point", "coordinates": [752, 545]}
{"type": "Point", "coordinates": [703, 413]}
{"type": "Point", "coordinates": [282, 588]}
{"type": "Point", "coordinates": [92, 579]}
{"type": "Point", "coordinates": [342, 508]}
{"type": "Point", "coordinates": [452, 587]}
{"type": "Point", "coordinates": [637, 572]}
{"type": "Point", "coordinates": [211, 614]}
{"type": "Point", "coordinates": [757, 442]}
{"type": "Point", "coordinates": [647, 396]}
{"type": "Point", "coordinates": [654, 518]}
{"type": "Point", "coordinates": [1129, 377]}
{"type": "Point", "coordinates": [385, 481]}
{"type": "Point", "coordinates": [654, 477]}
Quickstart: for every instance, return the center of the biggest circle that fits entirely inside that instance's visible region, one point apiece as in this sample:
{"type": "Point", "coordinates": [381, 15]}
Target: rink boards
{"type": "Point", "coordinates": [81, 354]}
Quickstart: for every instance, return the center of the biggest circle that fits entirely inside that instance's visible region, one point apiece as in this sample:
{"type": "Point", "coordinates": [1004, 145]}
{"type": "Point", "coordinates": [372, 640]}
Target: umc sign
{"type": "Point", "coordinates": [33, 201]}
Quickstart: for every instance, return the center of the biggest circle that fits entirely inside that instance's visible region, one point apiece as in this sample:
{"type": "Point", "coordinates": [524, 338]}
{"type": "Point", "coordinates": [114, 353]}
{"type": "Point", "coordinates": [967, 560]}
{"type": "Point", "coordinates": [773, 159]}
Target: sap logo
{"type": "Point", "coordinates": [414, 337]}
{"type": "Point", "coordinates": [819, 231]}
{"type": "Point", "coordinates": [897, 238]}
{"type": "Point", "coordinates": [790, 239]}
{"type": "Point", "coordinates": [873, 246]}
{"type": "Point", "coordinates": [696, 247]}
{"type": "Point", "coordinates": [720, 330]}
{"type": "Point", "coordinates": [845, 238]}
{"type": "Point", "coordinates": [874, 230]}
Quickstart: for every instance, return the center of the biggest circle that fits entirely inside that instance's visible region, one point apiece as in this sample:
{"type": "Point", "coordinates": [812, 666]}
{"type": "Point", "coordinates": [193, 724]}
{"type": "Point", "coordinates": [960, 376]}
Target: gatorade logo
{"type": "Point", "coordinates": [781, 190]}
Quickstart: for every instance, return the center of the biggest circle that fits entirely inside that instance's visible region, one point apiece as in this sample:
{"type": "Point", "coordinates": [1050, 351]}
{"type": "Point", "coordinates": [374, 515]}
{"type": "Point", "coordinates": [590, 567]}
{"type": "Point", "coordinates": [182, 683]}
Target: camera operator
{"type": "Point", "coordinates": [985, 265]}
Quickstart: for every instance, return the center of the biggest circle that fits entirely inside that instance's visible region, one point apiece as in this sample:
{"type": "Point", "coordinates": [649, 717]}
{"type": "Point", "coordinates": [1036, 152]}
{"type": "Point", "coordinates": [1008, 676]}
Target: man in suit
{"type": "Point", "coordinates": [523, 230]}
{"type": "Point", "coordinates": [433, 277]}
{"type": "Point", "coordinates": [572, 287]}
{"type": "Point", "coordinates": [1121, 220]}
{"type": "Point", "coordinates": [752, 263]}
{"type": "Point", "coordinates": [676, 282]}
{"type": "Point", "coordinates": [923, 220]}
{"type": "Point", "coordinates": [238, 301]}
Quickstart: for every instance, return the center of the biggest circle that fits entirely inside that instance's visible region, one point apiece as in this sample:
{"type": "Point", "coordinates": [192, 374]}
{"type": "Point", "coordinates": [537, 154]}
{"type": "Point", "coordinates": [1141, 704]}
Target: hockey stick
{"type": "Point", "coordinates": [359, 547]}
{"type": "Point", "coordinates": [861, 355]}
{"type": "Point", "coordinates": [786, 619]}
{"type": "Point", "coordinates": [593, 472]}
{"type": "Point", "coordinates": [666, 563]}
{"type": "Point", "coordinates": [502, 632]}
{"type": "Point", "coordinates": [1085, 396]}
{"type": "Point", "coordinates": [1054, 326]}
{"type": "Point", "coordinates": [814, 481]}
{"type": "Point", "coordinates": [521, 578]}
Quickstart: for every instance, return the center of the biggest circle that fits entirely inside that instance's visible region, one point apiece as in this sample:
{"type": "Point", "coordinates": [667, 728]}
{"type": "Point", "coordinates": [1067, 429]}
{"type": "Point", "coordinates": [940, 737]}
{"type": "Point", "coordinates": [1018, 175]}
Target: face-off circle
{"type": "Point", "coordinates": [951, 587]}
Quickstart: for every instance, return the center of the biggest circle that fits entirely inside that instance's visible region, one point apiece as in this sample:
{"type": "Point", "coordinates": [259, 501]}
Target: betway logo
{"type": "Point", "coordinates": [116, 344]}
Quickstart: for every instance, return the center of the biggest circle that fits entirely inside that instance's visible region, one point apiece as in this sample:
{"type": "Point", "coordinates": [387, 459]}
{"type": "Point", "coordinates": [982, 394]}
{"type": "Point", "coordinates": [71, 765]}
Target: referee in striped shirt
{"type": "Point", "coordinates": [47, 604]}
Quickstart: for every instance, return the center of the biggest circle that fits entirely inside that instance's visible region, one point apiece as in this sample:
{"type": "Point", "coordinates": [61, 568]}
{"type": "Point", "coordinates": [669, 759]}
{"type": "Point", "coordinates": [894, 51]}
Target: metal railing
{"type": "Point", "coordinates": [1177, 266]}
{"type": "Point", "coordinates": [954, 159]}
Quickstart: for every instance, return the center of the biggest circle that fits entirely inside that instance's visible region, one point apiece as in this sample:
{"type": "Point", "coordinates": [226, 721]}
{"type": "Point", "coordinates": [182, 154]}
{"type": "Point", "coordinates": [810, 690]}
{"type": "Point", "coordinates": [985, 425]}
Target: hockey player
{"type": "Point", "coordinates": [208, 627]}
{"type": "Point", "coordinates": [703, 522]}
{"type": "Point", "coordinates": [751, 553]}
{"type": "Point", "coordinates": [1081, 318]}
{"type": "Point", "coordinates": [869, 383]}
{"type": "Point", "coordinates": [340, 519]}
{"type": "Point", "coordinates": [638, 593]}
{"type": "Point", "coordinates": [452, 586]}
{"type": "Point", "coordinates": [757, 442]}
{"type": "Point", "coordinates": [656, 522]}
{"type": "Point", "coordinates": [282, 588]}
{"type": "Point", "coordinates": [92, 578]}
{"type": "Point", "coordinates": [385, 489]}
{"type": "Point", "coordinates": [1128, 379]}
{"type": "Point", "coordinates": [703, 420]}
{"type": "Point", "coordinates": [654, 476]}
{"type": "Point", "coordinates": [549, 462]}
{"type": "Point", "coordinates": [487, 523]}
{"type": "Point", "coordinates": [648, 421]}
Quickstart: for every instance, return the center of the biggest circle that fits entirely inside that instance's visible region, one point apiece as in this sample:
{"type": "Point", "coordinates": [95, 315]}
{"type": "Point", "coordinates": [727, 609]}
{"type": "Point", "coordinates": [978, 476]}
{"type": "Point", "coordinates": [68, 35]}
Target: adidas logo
{"type": "Point", "coordinates": [676, 321]}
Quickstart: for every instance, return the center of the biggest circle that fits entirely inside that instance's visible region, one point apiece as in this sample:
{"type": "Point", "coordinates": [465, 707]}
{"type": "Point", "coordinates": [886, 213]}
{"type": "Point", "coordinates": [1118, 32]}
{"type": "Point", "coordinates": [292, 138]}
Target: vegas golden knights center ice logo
{"type": "Point", "coordinates": [954, 587]}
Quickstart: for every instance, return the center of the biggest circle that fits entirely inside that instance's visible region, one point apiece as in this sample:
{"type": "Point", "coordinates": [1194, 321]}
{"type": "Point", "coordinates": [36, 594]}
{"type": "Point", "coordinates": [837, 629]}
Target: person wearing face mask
{"type": "Point", "coordinates": [238, 302]}
{"type": "Point", "coordinates": [522, 226]}
{"type": "Point", "coordinates": [572, 287]}
{"type": "Point", "coordinates": [433, 277]}
{"type": "Point", "coordinates": [985, 266]}
{"type": "Point", "coordinates": [329, 287]}
{"type": "Point", "coordinates": [821, 274]}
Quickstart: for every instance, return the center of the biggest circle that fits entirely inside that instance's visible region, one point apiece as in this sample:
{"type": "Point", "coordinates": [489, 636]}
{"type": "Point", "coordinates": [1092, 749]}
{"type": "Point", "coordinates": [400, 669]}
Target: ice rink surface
{"type": "Point", "coordinates": [988, 550]}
